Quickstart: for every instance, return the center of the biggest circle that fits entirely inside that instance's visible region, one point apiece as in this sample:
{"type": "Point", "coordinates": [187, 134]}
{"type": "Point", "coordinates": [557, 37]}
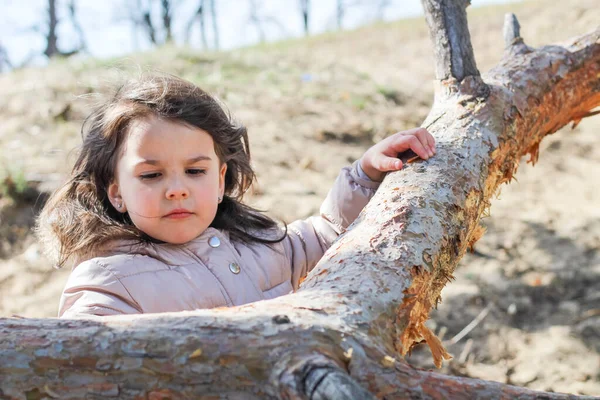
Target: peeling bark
{"type": "Point", "coordinates": [365, 304]}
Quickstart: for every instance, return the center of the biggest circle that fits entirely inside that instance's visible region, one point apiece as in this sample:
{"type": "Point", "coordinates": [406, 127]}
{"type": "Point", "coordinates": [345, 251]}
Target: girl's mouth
{"type": "Point", "coordinates": [179, 213]}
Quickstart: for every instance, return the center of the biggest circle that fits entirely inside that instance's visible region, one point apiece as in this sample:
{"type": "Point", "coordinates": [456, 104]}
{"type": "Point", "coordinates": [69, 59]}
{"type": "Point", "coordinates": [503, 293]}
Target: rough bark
{"type": "Point", "coordinates": [447, 20]}
{"type": "Point", "coordinates": [231, 353]}
{"type": "Point", "coordinates": [366, 302]}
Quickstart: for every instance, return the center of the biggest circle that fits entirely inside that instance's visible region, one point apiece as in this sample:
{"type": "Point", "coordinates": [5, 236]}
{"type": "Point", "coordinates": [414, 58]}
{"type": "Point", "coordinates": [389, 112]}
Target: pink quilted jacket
{"type": "Point", "coordinates": [211, 270]}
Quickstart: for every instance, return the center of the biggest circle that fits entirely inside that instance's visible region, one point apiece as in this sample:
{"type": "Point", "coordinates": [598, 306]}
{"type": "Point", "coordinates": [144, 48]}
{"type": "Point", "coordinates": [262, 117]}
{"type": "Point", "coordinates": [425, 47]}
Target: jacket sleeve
{"type": "Point", "coordinates": [308, 239]}
{"type": "Point", "coordinates": [94, 290]}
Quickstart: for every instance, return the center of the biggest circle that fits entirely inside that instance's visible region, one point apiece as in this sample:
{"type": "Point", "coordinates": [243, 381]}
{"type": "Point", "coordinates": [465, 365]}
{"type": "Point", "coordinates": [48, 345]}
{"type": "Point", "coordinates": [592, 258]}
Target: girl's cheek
{"type": "Point", "coordinates": [144, 197]}
{"type": "Point", "coordinates": [146, 190]}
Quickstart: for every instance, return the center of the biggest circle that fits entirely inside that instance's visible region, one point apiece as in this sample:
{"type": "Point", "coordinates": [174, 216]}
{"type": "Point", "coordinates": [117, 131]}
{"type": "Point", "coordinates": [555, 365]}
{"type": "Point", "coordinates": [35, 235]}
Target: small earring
{"type": "Point", "coordinates": [119, 205]}
{"type": "Point", "coordinates": [220, 199]}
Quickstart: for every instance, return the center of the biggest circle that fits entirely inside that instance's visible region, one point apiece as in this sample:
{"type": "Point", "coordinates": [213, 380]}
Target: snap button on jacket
{"type": "Point", "coordinates": [212, 270]}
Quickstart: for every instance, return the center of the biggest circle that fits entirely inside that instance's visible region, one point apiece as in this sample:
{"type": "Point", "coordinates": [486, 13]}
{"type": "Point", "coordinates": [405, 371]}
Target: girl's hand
{"type": "Point", "coordinates": [383, 157]}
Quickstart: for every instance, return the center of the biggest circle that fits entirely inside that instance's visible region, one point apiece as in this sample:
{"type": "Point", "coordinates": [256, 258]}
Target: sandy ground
{"type": "Point", "coordinates": [311, 107]}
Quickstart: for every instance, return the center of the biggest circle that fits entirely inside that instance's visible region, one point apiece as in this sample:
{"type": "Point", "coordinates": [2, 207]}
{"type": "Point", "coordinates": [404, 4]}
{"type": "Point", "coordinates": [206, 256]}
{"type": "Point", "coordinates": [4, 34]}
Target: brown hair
{"type": "Point", "coordinates": [78, 220]}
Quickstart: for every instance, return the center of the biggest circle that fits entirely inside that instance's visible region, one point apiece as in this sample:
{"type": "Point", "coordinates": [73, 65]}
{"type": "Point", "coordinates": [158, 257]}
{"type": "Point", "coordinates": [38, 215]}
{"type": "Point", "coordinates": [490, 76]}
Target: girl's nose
{"type": "Point", "coordinates": [177, 191]}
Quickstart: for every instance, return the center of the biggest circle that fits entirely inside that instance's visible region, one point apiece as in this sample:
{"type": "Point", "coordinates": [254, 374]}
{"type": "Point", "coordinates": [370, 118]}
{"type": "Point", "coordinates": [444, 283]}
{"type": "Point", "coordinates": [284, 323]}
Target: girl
{"type": "Point", "coordinates": [152, 215]}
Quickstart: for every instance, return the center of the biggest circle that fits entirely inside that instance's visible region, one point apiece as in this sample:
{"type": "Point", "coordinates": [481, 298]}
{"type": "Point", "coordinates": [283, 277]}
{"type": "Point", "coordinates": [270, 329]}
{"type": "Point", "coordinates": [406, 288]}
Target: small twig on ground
{"type": "Point", "coordinates": [442, 332]}
{"type": "Point", "coordinates": [471, 325]}
{"type": "Point", "coordinates": [466, 351]}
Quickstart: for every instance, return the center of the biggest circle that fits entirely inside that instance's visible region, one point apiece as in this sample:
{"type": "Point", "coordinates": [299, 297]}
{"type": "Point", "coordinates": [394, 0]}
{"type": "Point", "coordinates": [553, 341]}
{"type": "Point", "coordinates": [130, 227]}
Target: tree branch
{"type": "Point", "coordinates": [512, 30]}
{"type": "Point", "coordinates": [449, 31]}
{"type": "Point", "coordinates": [225, 353]}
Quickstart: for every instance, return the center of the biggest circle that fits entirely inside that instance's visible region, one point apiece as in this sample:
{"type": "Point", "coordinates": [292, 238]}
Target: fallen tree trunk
{"type": "Point", "coordinates": [342, 335]}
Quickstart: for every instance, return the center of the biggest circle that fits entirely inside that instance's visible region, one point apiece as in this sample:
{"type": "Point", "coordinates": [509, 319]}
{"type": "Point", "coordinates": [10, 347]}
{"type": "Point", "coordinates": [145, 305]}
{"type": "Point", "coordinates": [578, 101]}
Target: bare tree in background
{"type": "Point", "coordinates": [134, 15]}
{"type": "Point", "coordinates": [141, 17]}
{"type": "Point", "coordinates": [213, 15]}
{"type": "Point", "coordinates": [51, 39]}
{"type": "Point", "coordinates": [146, 20]}
{"type": "Point", "coordinates": [342, 7]}
{"type": "Point", "coordinates": [76, 25]}
{"type": "Point", "coordinates": [199, 15]}
{"type": "Point", "coordinates": [340, 13]}
{"type": "Point", "coordinates": [144, 15]}
{"type": "Point", "coordinates": [381, 6]}
{"type": "Point", "coordinates": [260, 21]}
{"type": "Point", "coordinates": [167, 10]}
{"type": "Point", "coordinates": [256, 20]}
{"type": "Point", "coordinates": [52, 49]}
{"type": "Point", "coordinates": [4, 59]}
{"type": "Point", "coordinates": [305, 9]}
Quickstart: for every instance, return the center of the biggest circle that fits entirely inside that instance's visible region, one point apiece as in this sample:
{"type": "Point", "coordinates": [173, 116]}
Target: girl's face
{"type": "Point", "coordinates": [169, 179]}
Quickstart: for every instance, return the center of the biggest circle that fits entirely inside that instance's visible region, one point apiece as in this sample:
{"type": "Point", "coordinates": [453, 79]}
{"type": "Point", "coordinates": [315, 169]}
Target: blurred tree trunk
{"type": "Point", "coordinates": [305, 10]}
{"type": "Point", "coordinates": [199, 15]}
{"type": "Point", "coordinates": [51, 39]}
{"type": "Point", "coordinates": [142, 16]}
{"type": "Point", "coordinates": [340, 14]}
{"type": "Point", "coordinates": [364, 306]}
{"type": "Point", "coordinates": [77, 26]}
{"type": "Point", "coordinates": [215, 23]}
{"type": "Point", "coordinates": [146, 21]}
{"type": "Point", "coordinates": [256, 20]}
{"type": "Point", "coordinates": [52, 49]}
{"type": "Point", "coordinates": [4, 59]}
{"type": "Point", "coordinates": [166, 8]}
{"type": "Point", "coordinates": [381, 7]}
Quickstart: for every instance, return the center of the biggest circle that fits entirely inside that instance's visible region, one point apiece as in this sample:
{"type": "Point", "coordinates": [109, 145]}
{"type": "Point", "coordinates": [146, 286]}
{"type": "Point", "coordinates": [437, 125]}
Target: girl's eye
{"type": "Point", "coordinates": [150, 176]}
{"type": "Point", "coordinates": [195, 171]}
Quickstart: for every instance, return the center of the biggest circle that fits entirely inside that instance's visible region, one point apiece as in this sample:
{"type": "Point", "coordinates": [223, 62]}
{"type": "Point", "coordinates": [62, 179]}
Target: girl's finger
{"type": "Point", "coordinates": [413, 143]}
{"type": "Point", "coordinates": [431, 141]}
{"type": "Point", "coordinates": [424, 136]}
{"type": "Point", "coordinates": [414, 131]}
{"type": "Point", "coordinates": [384, 163]}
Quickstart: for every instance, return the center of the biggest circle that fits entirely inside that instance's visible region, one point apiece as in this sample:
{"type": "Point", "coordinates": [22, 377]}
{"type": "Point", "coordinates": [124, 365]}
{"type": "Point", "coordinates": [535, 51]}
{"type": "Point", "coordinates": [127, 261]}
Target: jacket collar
{"type": "Point", "coordinates": [171, 254]}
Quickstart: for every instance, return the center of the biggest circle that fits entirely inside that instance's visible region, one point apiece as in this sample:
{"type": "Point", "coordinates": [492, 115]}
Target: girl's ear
{"type": "Point", "coordinates": [222, 173]}
{"type": "Point", "coordinates": [114, 196]}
